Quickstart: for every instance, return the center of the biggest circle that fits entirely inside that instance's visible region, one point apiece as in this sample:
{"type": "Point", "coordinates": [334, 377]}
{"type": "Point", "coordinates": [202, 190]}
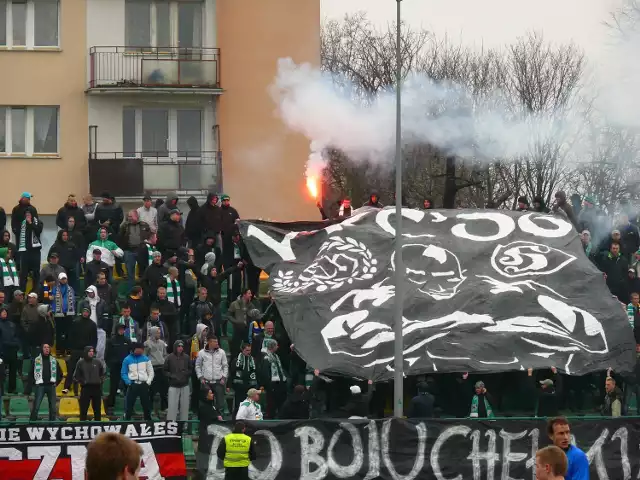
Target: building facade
{"type": "Point", "coordinates": [135, 96]}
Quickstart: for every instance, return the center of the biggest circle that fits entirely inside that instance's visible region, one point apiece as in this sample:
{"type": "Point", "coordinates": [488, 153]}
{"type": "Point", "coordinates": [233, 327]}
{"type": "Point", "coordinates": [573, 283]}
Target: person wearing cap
{"type": "Point", "coordinates": [148, 214]}
{"type": "Point", "coordinates": [164, 211]}
{"type": "Point", "coordinates": [17, 214]}
{"type": "Point", "coordinates": [85, 333]}
{"type": "Point", "coordinates": [118, 347]}
{"type": "Point", "coordinates": [177, 370]}
{"type": "Point", "coordinates": [250, 409]}
{"type": "Point", "coordinates": [53, 267]}
{"type": "Point", "coordinates": [109, 214]}
{"type": "Point", "coordinates": [171, 235]}
{"type": "Point", "coordinates": [29, 248]}
{"type": "Point", "coordinates": [94, 267]}
{"type": "Point", "coordinates": [548, 394]}
{"type": "Point", "coordinates": [71, 209]}
{"type": "Point", "coordinates": [108, 248]}
{"type": "Point", "coordinates": [481, 403]}
{"type": "Point", "coordinates": [68, 256]}
{"type": "Point", "coordinates": [137, 375]}
{"type": "Point", "coordinates": [632, 283]}
{"type": "Point", "coordinates": [64, 309]}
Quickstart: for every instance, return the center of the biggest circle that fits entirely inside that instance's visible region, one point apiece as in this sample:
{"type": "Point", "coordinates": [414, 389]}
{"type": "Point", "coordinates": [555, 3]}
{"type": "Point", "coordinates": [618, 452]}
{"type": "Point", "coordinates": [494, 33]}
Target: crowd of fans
{"type": "Point", "coordinates": [171, 331]}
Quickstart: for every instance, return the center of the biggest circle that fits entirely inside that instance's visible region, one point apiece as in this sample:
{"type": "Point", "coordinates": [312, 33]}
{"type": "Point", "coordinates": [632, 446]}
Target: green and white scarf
{"type": "Point", "coordinates": [37, 370]}
{"type": "Point", "coordinates": [9, 273]}
{"type": "Point", "coordinates": [277, 373]}
{"type": "Point", "coordinates": [150, 250]}
{"type": "Point", "coordinates": [131, 326]}
{"type": "Point", "coordinates": [474, 407]}
{"type": "Point", "coordinates": [35, 241]}
{"type": "Point", "coordinates": [173, 296]}
{"type": "Point", "coordinates": [245, 364]}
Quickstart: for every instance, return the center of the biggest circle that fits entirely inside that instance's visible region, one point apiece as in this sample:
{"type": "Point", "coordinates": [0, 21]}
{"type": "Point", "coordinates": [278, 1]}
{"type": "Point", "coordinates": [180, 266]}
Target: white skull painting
{"type": "Point", "coordinates": [435, 270]}
{"type": "Point", "coordinates": [520, 259]}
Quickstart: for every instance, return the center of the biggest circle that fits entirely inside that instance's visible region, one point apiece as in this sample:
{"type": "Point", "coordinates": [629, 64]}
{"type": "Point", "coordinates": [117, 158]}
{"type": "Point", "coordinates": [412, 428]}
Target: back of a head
{"type": "Point", "coordinates": [111, 455]}
{"type": "Point", "coordinates": [555, 458]}
{"type": "Point", "coordinates": [239, 427]}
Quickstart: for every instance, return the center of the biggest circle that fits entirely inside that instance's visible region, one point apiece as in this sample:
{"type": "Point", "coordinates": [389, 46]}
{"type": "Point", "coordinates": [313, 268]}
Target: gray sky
{"type": "Point", "coordinates": [492, 22]}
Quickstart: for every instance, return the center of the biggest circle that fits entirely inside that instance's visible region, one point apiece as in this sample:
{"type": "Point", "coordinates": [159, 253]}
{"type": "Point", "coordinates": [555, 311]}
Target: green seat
{"type": "Point", "coordinates": [105, 386]}
{"type": "Point", "coordinates": [44, 407]}
{"type": "Point", "coordinates": [19, 407]}
{"type": "Point", "coordinates": [26, 365]}
{"type": "Point", "coordinates": [187, 447]}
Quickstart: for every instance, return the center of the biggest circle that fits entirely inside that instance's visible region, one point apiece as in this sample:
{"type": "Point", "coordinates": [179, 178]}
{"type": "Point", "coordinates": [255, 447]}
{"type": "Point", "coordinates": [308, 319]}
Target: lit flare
{"type": "Point", "coordinates": [312, 186]}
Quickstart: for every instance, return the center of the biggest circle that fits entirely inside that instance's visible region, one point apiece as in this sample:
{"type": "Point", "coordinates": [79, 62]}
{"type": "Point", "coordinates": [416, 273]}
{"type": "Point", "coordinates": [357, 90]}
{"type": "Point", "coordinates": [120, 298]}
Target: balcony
{"type": "Point", "coordinates": [154, 70]}
{"type": "Point", "coordinates": [132, 175]}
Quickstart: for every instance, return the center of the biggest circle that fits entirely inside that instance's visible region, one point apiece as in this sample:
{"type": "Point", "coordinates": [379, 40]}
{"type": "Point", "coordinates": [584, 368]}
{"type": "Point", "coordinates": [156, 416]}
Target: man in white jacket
{"type": "Point", "coordinates": [250, 409]}
{"type": "Point", "coordinates": [137, 375]}
{"type": "Point", "coordinates": [212, 369]}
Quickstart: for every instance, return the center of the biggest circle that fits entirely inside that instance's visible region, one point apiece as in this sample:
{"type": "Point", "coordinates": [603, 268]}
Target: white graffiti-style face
{"type": "Point", "coordinates": [520, 259]}
{"type": "Point", "coordinates": [435, 270]}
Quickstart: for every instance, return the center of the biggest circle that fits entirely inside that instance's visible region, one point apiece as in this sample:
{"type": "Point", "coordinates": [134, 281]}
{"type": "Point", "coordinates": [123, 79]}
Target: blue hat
{"type": "Point", "coordinates": [25, 195]}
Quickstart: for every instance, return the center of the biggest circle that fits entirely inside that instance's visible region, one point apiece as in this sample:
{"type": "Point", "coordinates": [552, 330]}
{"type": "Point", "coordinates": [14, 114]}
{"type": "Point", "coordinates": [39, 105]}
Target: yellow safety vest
{"type": "Point", "coordinates": [237, 450]}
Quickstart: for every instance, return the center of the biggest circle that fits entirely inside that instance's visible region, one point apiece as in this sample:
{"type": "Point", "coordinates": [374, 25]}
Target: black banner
{"type": "Point", "coordinates": [58, 451]}
{"type": "Point", "coordinates": [485, 291]}
{"type": "Point", "coordinates": [402, 450]}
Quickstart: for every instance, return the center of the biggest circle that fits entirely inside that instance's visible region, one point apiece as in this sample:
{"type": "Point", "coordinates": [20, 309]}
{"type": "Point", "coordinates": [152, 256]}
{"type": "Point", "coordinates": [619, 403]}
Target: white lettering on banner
{"type": "Point", "coordinates": [527, 225]}
{"type": "Point", "coordinates": [78, 454]}
{"type": "Point", "coordinates": [275, 462]}
{"type": "Point", "coordinates": [349, 471]}
{"type": "Point", "coordinates": [150, 467]}
{"type": "Point", "coordinates": [10, 453]}
{"type": "Point", "coordinates": [283, 248]}
{"type": "Point", "coordinates": [374, 451]}
{"type": "Point", "coordinates": [218, 432]}
{"type": "Point", "coordinates": [53, 432]}
{"type": "Point", "coordinates": [477, 456]}
{"type": "Point", "coordinates": [49, 456]}
{"type": "Point", "coordinates": [623, 435]}
{"type": "Point", "coordinates": [35, 433]}
{"type": "Point", "coordinates": [418, 462]}
{"type": "Point", "coordinates": [531, 462]}
{"type": "Point", "coordinates": [382, 218]}
{"type": "Point", "coordinates": [435, 450]}
{"type": "Point", "coordinates": [311, 444]}
{"type": "Point", "coordinates": [66, 433]}
{"type": "Point", "coordinates": [507, 455]}
{"type": "Point", "coordinates": [595, 455]}
{"type": "Point", "coordinates": [505, 224]}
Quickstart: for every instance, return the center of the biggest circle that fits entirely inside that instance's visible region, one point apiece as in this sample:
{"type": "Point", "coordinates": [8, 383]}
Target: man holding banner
{"type": "Point", "coordinates": [237, 451]}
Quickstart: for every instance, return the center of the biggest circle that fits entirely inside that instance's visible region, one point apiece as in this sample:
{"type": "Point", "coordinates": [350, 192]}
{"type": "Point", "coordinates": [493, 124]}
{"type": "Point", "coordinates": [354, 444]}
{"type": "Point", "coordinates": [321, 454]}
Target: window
{"type": "Point", "coordinates": [158, 23]}
{"type": "Point", "coordinates": [27, 131]}
{"type": "Point", "coordinates": [161, 132]}
{"type": "Point", "coordinates": [29, 23]}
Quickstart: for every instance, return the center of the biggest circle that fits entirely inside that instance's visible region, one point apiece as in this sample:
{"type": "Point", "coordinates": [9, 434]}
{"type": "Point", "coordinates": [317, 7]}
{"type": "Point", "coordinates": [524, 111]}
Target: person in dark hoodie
{"type": "Point", "coordinates": [6, 243]}
{"type": "Point", "coordinates": [71, 209]}
{"type": "Point", "coordinates": [76, 236]}
{"type": "Point", "coordinates": [198, 308]}
{"type": "Point", "coordinates": [229, 217]}
{"type": "Point", "coordinates": [118, 347]}
{"type": "Point", "coordinates": [210, 216]}
{"type": "Point", "coordinates": [539, 205]}
{"type": "Point", "coordinates": [193, 227]}
{"type": "Point", "coordinates": [209, 245]}
{"type": "Point", "coordinates": [29, 247]}
{"type": "Point", "coordinates": [564, 208]}
{"type": "Point", "coordinates": [45, 374]}
{"type": "Point", "coordinates": [171, 234]}
{"type": "Point", "coordinates": [106, 292]}
{"type": "Point", "coordinates": [154, 276]}
{"type": "Point", "coordinates": [89, 373]}
{"type": "Point", "coordinates": [523, 204]}
{"type": "Point", "coordinates": [374, 201]}
{"type": "Point", "coordinates": [94, 267]}
{"type": "Point", "coordinates": [10, 346]}
{"type": "Point", "coordinates": [177, 370]}
{"type": "Point", "coordinates": [213, 283]}
{"type": "Point", "coordinates": [68, 256]}
{"type": "Point", "coordinates": [146, 250]}
{"type": "Point", "coordinates": [109, 214]}
{"type": "Point", "coordinates": [207, 411]}
{"type": "Point", "coordinates": [17, 214]}
{"type": "Point", "coordinates": [165, 208]}
{"type": "Point", "coordinates": [85, 333]}
{"type": "Point", "coordinates": [358, 404]}
{"type": "Point", "coordinates": [296, 406]}
{"type": "Point", "coordinates": [235, 253]}
{"type": "Point", "coordinates": [168, 314]}
{"type": "Point", "coordinates": [422, 405]}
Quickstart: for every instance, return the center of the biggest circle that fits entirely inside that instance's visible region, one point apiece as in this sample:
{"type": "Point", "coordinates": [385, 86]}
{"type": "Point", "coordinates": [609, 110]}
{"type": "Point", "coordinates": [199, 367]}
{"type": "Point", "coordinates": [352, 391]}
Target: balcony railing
{"type": "Point", "coordinates": [154, 68]}
{"type": "Point", "coordinates": [134, 174]}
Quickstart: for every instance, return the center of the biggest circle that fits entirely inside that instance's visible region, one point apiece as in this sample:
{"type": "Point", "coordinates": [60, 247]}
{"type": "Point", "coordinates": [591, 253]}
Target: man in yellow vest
{"type": "Point", "coordinates": [237, 451]}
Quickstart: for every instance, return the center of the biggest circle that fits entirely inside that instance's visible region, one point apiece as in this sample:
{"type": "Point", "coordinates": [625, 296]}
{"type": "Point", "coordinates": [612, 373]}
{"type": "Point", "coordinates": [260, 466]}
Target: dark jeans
{"type": "Point", "coordinates": [114, 382]}
{"type": "Point", "coordinates": [134, 391]}
{"type": "Point", "coordinates": [236, 473]}
{"type": "Point", "coordinates": [10, 358]}
{"type": "Point", "coordinates": [159, 386]}
{"type": "Point", "coordinates": [30, 264]}
{"type": "Point", "coordinates": [174, 333]}
{"type": "Point", "coordinates": [130, 261]}
{"type": "Point", "coordinates": [219, 392]}
{"type": "Point", "coordinates": [276, 396]}
{"type": "Point", "coordinates": [63, 324]}
{"type": "Point", "coordinates": [76, 355]}
{"type": "Point", "coordinates": [74, 277]}
{"type": "Point", "coordinates": [41, 390]}
{"type": "Point", "coordinates": [90, 394]}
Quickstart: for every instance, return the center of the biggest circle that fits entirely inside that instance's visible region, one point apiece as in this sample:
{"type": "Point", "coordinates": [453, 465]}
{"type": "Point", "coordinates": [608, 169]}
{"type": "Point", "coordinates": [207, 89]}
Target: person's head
{"type": "Point", "coordinates": [113, 456]}
{"type": "Point", "coordinates": [226, 200]}
{"type": "Point", "coordinates": [64, 236]}
{"type": "Point", "coordinates": [614, 248]}
{"type": "Point", "coordinates": [86, 312]}
{"type": "Point", "coordinates": [152, 238]}
{"type": "Point", "coordinates": [615, 235]}
{"type": "Point", "coordinates": [136, 291]}
{"type": "Point", "coordinates": [561, 197]}
{"type": "Point", "coordinates": [253, 394]}
{"type": "Point", "coordinates": [202, 294]}
{"type": "Point", "coordinates": [28, 215]}
{"type": "Point", "coordinates": [88, 199]}
{"type": "Point", "coordinates": [212, 342]}
{"type": "Point", "coordinates": [235, 236]}
{"type": "Point", "coordinates": [207, 315]}
{"type": "Point", "coordinates": [610, 384]}
{"type": "Point", "coordinates": [173, 273]}
{"type": "Point", "coordinates": [210, 395]}
{"type": "Point", "coordinates": [46, 349]}
{"type": "Point", "coordinates": [147, 202]}
{"type": "Point", "coordinates": [103, 234]}
{"type": "Point", "coordinates": [138, 348]}
{"type": "Point", "coordinates": [546, 384]}
{"type": "Point", "coordinates": [62, 278]}
{"type": "Point", "coordinates": [551, 463]}
{"type": "Point", "coordinates": [162, 293]}
{"type": "Point", "coordinates": [585, 237]}
{"type": "Point", "coordinates": [126, 311]}
{"type": "Point", "coordinates": [246, 349]}
{"type": "Point", "coordinates": [25, 198]}
{"type": "Point", "coordinates": [155, 333]}
{"type": "Point", "coordinates": [50, 280]}
{"type": "Point", "coordinates": [120, 329]}
{"type": "Point", "coordinates": [101, 278]}
{"type": "Point", "coordinates": [157, 258]}
{"type": "Point", "coordinates": [132, 216]}
{"type": "Point", "coordinates": [71, 201]}
{"type": "Point", "coordinates": [559, 432]}
{"type": "Point", "coordinates": [91, 292]}
{"type": "Point", "coordinates": [178, 347]}
{"type": "Point", "coordinates": [479, 388]}
{"type": "Point", "coordinates": [175, 215]}
{"type": "Point", "coordinates": [269, 328]}
{"type": "Point", "coordinates": [210, 240]}
{"type": "Point", "coordinates": [247, 295]}
{"type": "Point", "coordinates": [213, 199]}
{"type": "Point", "coordinates": [213, 273]}
{"type": "Point", "coordinates": [18, 295]}
{"type": "Point", "coordinates": [271, 345]}
{"type": "Point", "coordinates": [6, 237]}
{"type": "Point", "coordinates": [97, 254]}
{"type": "Point", "coordinates": [90, 352]}
{"type": "Point", "coordinates": [32, 299]}
{"type": "Point", "coordinates": [374, 198]}
{"type": "Point", "coordinates": [54, 258]}
{"type": "Point", "coordinates": [635, 298]}
{"type": "Point", "coordinates": [426, 204]}
{"type": "Point", "coordinates": [3, 298]}
{"type": "Point", "coordinates": [154, 313]}
{"type": "Point", "coordinates": [107, 199]}
{"type": "Point", "coordinates": [4, 314]}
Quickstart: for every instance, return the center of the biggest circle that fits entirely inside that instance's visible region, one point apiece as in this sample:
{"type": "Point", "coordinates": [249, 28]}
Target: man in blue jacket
{"type": "Point", "coordinates": [137, 375]}
{"type": "Point", "coordinates": [560, 434]}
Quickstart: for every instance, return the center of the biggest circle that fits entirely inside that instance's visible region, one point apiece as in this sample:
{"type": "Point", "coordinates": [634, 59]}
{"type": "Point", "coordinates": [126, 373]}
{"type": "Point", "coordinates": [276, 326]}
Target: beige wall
{"type": "Point", "coordinates": [32, 78]}
{"type": "Point", "coordinates": [263, 162]}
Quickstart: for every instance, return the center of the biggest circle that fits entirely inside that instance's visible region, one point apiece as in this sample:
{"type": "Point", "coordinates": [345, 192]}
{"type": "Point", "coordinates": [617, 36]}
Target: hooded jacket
{"type": "Point", "coordinates": [371, 203]}
{"type": "Point", "coordinates": [85, 333]}
{"type": "Point", "coordinates": [136, 369]}
{"type": "Point", "coordinates": [151, 324]}
{"type": "Point", "coordinates": [211, 216]}
{"type": "Point", "coordinates": [99, 309]}
{"type": "Point", "coordinates": [93, 268]}
{"type": "Point", "coordinates": [118, 347]}
{"type": "Point", "coordinates": [89, 371]}
{"type": "Point", "coordinates": [169, 204]}
{"type": "Point", "coordinates": [198, 341]}
{"type": "Point", "coordinates": [296, 407]}
{"type": "Point", "coordinates": [156, 350]}
{"type": "Point", "coordinates": [113, 213]}
{"type": "Point", "coordinates": [32, 233]}
{"type": "Point", "coordinates": [68, 252]}
{"type": "Point", "coordinates": [208, 254]}
{"type": "Point", "coordinates": [193, 226]}
{"type": "Point", "coordinates": [198, 309]}
{"type": "Point", "coordinates": [178, 368]}
{"type": "Point", "coordinates": [564, 208]}
{"type": "Point", "coordinates": [228, 217]}
{"type": "Point", "coordinates": [107, 247]}
{"type": "Point", "coordinates": [212, 365]}
{"type": "Point", "coordinates": [8, 337]}
{"type": "Point", "coordinates": [67, 211]}
{"type": "Point", "coordinates": [170, 237]}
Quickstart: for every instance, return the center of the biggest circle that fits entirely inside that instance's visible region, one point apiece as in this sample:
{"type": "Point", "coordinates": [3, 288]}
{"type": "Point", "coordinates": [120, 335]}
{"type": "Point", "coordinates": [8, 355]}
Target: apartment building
{"type": "Point", "coordinates": [132, 96]}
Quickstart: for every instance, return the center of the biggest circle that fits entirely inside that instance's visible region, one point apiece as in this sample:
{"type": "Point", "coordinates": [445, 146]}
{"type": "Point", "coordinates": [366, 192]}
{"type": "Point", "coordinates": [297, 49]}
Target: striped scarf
{"type": "Point", "coordinates": [37, 370]}
{"type": "Point", "coordinates": [277, 373]}
{"type": "Point", "coordinates": [173, 295]}
{"type": "Point", "coordinates": [60, 304]}
{"type": "Point", "coordinates": [245, 370]}
{"type": "Point", "coordinates": [9, 274]}
{"type": "Point", "coordinates": [129, 328]}
{"type": "Point", "coordinates": [150, 250]}
{"type": "Point", "coordinates": [35, 241]}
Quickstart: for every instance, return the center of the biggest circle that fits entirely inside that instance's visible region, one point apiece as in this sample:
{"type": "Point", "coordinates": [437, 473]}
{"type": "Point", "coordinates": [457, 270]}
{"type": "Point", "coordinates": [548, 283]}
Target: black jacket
{"type": "Point", "coordinates": [198, 309]}
{"type": "Point", "coordinates": [139, 309]}
{"type": "Point", "coordinates": [228, 217]}
{"type": "Point", "coordinates": [214, 285]}
{"type": "Point", "coordinates": [296, 407]}
{"type": "Point", "coordinates": [17, 216]}
{"type": "Point", "coordinates": [422, 406]}
{"type": "Point", "coordinates": [32, 231]}
{"type": "Point", "coordinates": [92, 269]}
{"type": "Point", "coordinates": [142, 254]}
{"type": "Point", "coordinates": [84, 333]}
{"type": "Point", "coordinates": [118, 347]}
{"type": "Point", "coordinates": [8, 337]}
{"type": "Point", "coordinates": [168, 311]}
{"type": "Point", "coordinates": [170, 237]}
{"type": "Point", "coordinates": [193, 226]}
{"type": "Point", "coordinates": [89, 371]}
{"type": "Point", "coordinates": [202, 249]}
{"type": "Point", "coordinates": [67, 211]}
{"type": "Point", "coordinates": [178, 368]}
{"type": "Point", "coordinates": [210, 216]}
{"type": "Point", "coordinates": [616, 270]}
{"type": "Point", "coordinates": [153, 278]}
{"type": "Point", "coordinates": [68, 253]}
{"type": "Point", "coordinates": [112, 213]}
